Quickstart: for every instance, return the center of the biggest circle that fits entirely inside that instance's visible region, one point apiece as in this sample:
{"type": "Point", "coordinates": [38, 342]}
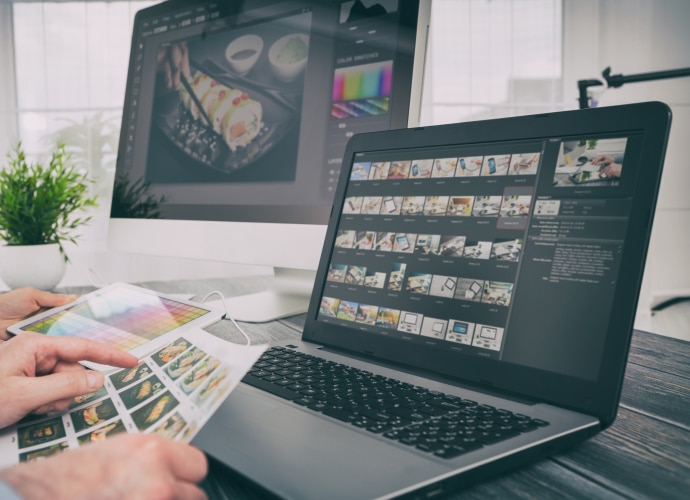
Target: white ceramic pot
{"type": "Point", "coordinates": [38, 266]}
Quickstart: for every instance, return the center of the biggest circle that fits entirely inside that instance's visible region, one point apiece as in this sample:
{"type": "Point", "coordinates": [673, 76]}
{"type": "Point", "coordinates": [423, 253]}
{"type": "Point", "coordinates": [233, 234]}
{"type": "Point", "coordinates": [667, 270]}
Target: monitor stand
{"type": "Point", "coordinates": [288, 295]}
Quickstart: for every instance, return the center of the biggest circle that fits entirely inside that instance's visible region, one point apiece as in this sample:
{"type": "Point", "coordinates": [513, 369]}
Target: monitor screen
{"type": "Point", "coordinates": [239, 112]}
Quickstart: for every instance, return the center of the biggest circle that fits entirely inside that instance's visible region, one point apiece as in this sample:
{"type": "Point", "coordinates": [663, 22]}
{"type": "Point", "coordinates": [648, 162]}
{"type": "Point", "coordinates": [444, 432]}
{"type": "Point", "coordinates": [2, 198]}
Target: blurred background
{"type": "Point", "coordinates": [64, 66]}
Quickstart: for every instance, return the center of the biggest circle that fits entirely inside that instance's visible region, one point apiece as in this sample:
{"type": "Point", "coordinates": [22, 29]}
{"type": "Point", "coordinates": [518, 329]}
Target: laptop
{"type": "Point", "coordinates": [453, 366]}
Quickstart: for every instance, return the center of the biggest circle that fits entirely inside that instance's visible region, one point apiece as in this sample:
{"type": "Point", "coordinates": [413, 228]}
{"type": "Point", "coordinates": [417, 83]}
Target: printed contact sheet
{"type": "Point", "coordinates": [173, 391]}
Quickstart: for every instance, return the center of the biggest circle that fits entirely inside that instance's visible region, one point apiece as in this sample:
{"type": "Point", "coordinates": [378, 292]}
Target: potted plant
{"type": "Point", "coordinates": [40, 209]}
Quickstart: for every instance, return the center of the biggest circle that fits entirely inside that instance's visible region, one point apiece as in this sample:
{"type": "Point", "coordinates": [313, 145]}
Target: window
{"type": "Point", "coordinates": [493, 58]}
{"type": "Point", "coordinates": [70, 65]}
{"type": "Point", "coordinates": [487, 58]}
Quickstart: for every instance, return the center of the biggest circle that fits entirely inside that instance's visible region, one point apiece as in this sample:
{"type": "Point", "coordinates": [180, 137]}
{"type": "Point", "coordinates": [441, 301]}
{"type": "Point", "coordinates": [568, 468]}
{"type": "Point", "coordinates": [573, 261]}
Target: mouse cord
{"type": "Point", "coordinates": [227, 316]}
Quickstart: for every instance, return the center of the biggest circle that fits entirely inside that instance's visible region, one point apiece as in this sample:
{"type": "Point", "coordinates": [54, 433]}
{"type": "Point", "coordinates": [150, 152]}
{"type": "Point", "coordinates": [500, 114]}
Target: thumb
{"type": "Point", "coordinates": [48, 299]}
{"type": "Point", "coordinates": [43, 391]}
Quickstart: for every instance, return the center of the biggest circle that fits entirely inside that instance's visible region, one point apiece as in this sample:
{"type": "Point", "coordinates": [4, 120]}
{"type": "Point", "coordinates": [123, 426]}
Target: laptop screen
{"type": "Point", "coordinates": [503, 250]}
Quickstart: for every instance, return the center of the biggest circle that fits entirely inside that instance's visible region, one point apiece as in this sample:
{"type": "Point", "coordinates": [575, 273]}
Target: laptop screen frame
{"type": "Point", "coordinates": [598, 397]}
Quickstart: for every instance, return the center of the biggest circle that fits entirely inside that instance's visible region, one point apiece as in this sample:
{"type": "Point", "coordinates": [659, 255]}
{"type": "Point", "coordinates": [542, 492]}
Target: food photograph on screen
{"type": "Point", "coordinates": [240, 106]}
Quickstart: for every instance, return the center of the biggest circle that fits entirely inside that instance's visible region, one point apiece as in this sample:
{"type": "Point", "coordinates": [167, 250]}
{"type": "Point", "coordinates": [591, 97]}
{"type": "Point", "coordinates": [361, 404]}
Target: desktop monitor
{"type": "Point", "coordinates": [235, 120]}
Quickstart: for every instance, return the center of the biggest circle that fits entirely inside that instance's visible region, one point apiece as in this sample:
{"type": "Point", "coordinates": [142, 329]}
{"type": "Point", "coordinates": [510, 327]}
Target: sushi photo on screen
{"type": "Point", "coordinates": [235, 107]}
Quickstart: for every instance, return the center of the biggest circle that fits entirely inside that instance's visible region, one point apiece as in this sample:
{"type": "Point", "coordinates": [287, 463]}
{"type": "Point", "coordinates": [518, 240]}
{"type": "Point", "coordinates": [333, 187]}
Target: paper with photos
{"type": "Point", "coordinates": [172, 391]}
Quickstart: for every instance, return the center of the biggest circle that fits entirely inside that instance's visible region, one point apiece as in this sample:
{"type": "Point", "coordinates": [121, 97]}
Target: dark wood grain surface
{"type": "Point", "coordinates": [644, 454]}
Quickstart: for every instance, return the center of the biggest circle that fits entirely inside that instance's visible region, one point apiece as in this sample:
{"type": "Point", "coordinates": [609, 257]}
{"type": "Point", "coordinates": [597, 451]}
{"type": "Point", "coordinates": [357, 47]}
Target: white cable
{"type": "Point", "coordinates": [227, 315]}
{"type": "Point", "coordinates": [94, 278]}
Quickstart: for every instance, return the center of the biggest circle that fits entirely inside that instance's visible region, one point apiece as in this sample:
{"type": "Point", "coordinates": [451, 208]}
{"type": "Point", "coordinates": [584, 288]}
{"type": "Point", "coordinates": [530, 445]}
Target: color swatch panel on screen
{"type": "Point", "coordinates": [363, 82]}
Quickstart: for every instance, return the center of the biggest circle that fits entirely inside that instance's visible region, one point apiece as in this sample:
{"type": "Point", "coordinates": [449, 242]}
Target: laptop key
{"type": "Point", "coordinates": [429, 421]}
{"type": "Point", "coordinates": [338, 413]}
{"type": "Point", "coordinates": [274, 389]}
{"type": "Point", "coordinates": [455, 451]}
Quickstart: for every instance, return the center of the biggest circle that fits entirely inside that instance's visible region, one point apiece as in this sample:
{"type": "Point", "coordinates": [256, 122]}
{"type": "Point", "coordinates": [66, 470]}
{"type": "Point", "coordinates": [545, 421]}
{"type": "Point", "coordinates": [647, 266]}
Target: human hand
{"type": "Point", "coordinates": [39, 373]}
{"type": "Point", "coordinates": [611, 170]}
{"type": "Point", "coordinates": [23, 302]}
{"type": "Point", "coordinates": [603, 160]}
{"type": "Point", "coordinates": [125, 466]}
{"type": "Point", "coordinates": [173, 63]}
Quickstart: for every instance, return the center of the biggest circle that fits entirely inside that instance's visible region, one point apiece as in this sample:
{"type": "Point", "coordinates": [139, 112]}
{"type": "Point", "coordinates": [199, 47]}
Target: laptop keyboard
{"type": "Point", "coordinates": [430, 421]}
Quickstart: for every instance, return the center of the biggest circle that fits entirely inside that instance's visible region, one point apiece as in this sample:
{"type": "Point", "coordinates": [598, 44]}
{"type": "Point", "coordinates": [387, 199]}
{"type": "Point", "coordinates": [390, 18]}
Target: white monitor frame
{"type": "Point", "coordinates": [292, 250]}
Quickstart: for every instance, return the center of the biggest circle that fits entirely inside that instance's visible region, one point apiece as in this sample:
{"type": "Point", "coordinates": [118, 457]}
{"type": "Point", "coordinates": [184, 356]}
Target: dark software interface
{"type": "Point", "coordinates": [508, 251]}
{"type": "Point", "coordinates": [274, 92]}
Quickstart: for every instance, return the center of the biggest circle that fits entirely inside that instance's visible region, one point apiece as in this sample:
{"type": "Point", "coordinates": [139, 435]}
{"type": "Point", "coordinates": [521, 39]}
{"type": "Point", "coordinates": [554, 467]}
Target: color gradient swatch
{"type": "Point", "coordinates": [123, 318]}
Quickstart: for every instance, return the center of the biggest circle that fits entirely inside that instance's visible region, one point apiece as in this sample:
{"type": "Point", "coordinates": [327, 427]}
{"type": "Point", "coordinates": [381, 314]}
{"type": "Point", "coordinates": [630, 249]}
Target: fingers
{"type": "Point", "coordinates": [51, 350]}
{"type": "Point", "coordinates": [126, 466]}
{"type": "Point", "coordinates": [188, 491]}
{"type": "Point", "coordinates": [173, 62]}
{"type": "Point", "coordinates": [55, 391]}
{"type": "Point", "coordinates": [187, 463]}
{"type": "Point", "coordinates": [184, 66]}
{"type": "Point", "coordinates": [48, 299]}
{"type": "Point", "coordinates": [179, 63]}
{"type": "Point", "coordinates": [176, 63]}
{"type": "Point", "coordinates": [63, 404]}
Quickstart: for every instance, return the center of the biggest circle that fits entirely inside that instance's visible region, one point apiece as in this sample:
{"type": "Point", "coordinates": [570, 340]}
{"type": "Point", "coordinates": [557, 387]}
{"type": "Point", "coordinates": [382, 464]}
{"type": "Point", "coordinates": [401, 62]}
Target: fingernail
{"type": "Point", "coordinates": [94, 379]}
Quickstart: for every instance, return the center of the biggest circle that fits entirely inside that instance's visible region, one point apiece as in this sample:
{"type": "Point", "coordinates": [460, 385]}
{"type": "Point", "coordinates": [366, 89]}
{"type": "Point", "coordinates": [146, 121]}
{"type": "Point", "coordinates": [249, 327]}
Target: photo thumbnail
{"type": "Point", "coordinates": [421, 169]}
{"type": "Point", "coordinates": [444, 167]}
{"type": "Point", "coordinates": [379, 171]}
{"type": "Point", "coordinates": [495, 165]}
{"type": "Point", "coordinates": [590, 162]}
{"type": "Point", "coordinates": [469, 166]}
{"type": "Point", "coordinates": [524, 164]}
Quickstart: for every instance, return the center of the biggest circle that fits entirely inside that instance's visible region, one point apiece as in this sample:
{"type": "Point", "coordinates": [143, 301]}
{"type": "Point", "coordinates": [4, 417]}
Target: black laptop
{"type": "Point", "coordinates": [472, 311]}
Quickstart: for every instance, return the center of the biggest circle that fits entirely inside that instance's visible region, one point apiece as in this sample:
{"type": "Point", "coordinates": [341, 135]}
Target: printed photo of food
{"type": "Point", "coordinates": [170, 352]}
{"type": "Point", "coordinates": [216, 386]}
{"type": "Point", "coordinates": [123, 378]}
{"type": "Point", "coordinates": [87, 398]}
{"type": "Point", "coordinates": [93, 415]}
{"type": "Point", "coordinates": [183, 363]}
{"type": "Point", "coordinates": [36, 455]}
{"type": "Point", "coordinates": [40, 432]}
{"type": "Point", "coordinates": [152, 412]}
{"type": "Point", "coordinates": [199, 375]}
{"type": "Point", "coordinates": [102, 433]}
{"type": "Point", "coordinates": [171, 427]}
{"type": "Point", "coordinates": [141, 392]}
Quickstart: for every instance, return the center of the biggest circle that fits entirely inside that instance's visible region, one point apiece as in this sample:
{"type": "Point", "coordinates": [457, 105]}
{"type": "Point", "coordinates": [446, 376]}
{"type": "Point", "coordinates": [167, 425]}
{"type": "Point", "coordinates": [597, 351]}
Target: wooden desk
{"type": "Point", "coordinates": [644, 454]}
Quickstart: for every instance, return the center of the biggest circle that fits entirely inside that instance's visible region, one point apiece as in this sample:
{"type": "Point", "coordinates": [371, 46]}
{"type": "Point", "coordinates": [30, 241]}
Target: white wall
{"type": "Point", "coordinates": [633, 37]}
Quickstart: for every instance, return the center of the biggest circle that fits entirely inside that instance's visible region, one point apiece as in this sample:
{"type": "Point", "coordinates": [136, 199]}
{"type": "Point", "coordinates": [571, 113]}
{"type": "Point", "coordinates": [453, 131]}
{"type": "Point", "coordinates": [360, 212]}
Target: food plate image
{"type": "Point", "coordinates": [127, 376]}
{"type": "Point", "coordinates": [93, 415]}
{"type": "Point", "coordinates": [185, 362]}
{"type": "Point", "coordinates": [141, 392]}
{"type": "Point", "coordinates": [37, 455]}
{"type": "Point", "coordinates": [233, 128]}
{"type": "Point", "coordinates": [171, 427]}
{"type": "Point", "coordinates": [102, 433]}
{"type": "Point", "coordinates": [217, 384]}
{"type": "Point", "coordinates": [87, 398]}
{"type": "Point", "coordinates": [41, 432]}
{"type": "Point", "coordinates": [197, 377]}
{"type": "Point", "coordinates": [239, 101]}
{"type": "Point", "coordinates": [152, 412]}
{"type": "Point", "coordinates": [170, 352]}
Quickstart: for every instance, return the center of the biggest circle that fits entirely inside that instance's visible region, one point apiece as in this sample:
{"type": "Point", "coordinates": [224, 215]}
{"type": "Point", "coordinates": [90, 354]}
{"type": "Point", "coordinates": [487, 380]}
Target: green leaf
{"type": "Point", "coordinates": [42, 204]}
